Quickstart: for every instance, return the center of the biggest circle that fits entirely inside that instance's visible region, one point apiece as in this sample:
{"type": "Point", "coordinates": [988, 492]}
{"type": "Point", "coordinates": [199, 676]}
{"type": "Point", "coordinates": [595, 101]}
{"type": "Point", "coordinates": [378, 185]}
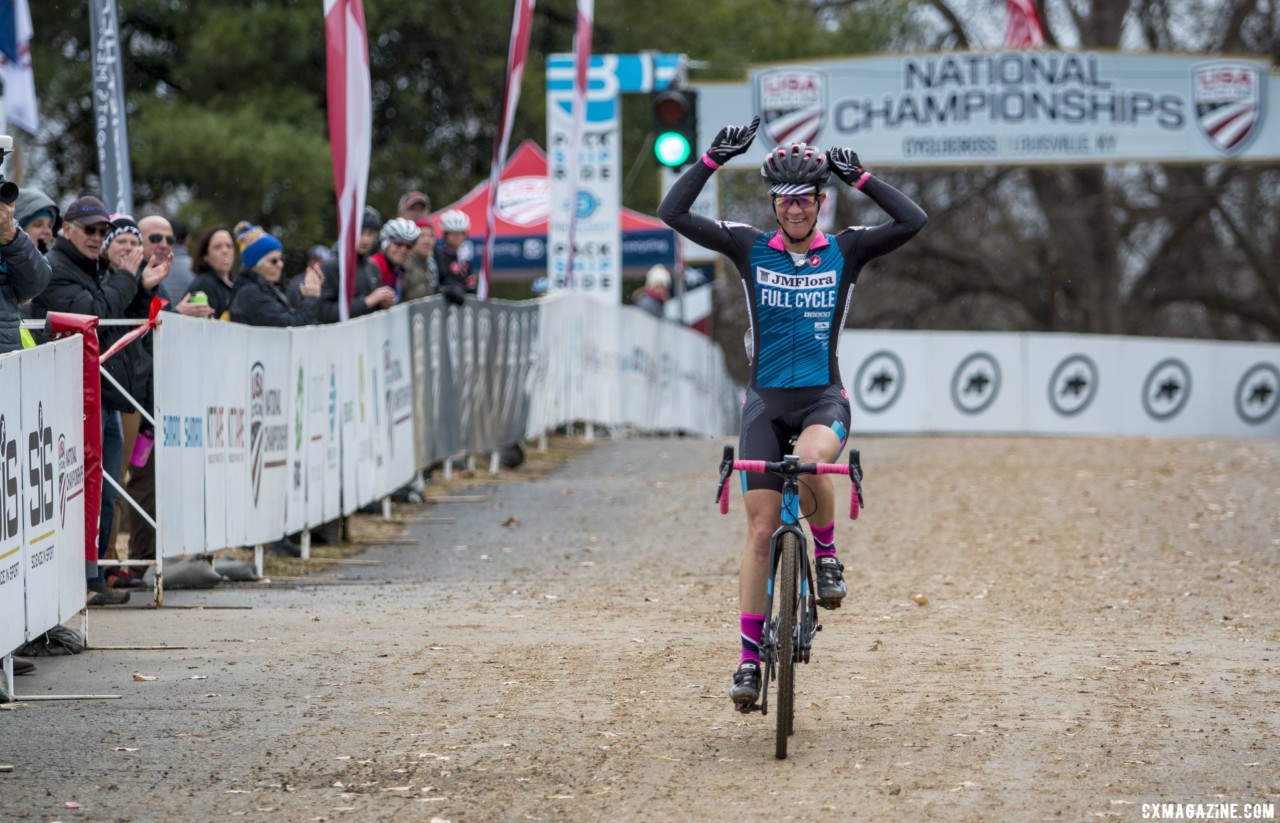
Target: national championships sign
{"type": "Point", "coordinates": [999, 108]}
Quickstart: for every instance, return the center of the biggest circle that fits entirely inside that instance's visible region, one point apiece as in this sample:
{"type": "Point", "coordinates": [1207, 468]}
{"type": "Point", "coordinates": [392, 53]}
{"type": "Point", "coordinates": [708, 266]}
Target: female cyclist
{"type": "Point", "coordinates": [798, 283]}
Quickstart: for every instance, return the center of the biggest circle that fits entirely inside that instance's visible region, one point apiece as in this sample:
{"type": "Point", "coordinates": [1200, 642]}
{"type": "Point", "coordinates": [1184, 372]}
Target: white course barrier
{"type": "Point", "coordinates": [42, 541]}
{"type": "Point", "coordinates": [269, 431]}
{"type": "Point", "coordinates": [617, 366]}
{"type": "Point", "coordinates": [912, 382]}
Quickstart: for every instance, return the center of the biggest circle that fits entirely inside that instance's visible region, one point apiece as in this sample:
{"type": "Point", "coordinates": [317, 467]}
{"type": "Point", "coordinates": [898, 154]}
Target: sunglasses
{"type": "Point", "coordinates": [804, 201]}
{"type": "Point", "coordinates": [274, 260]}
{"type": "Point", "coordinates": [96, 230]}
{"type": "Point", "coordinates": [402, 244]}
{"type": "Point", "coordinates": [157, 238]}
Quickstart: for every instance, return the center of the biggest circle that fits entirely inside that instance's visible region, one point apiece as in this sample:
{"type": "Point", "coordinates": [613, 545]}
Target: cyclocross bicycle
{"type": "Point", "coordinates": [789, 629]}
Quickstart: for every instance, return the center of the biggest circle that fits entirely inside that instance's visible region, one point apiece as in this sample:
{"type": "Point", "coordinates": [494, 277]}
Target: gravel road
{"type": "Point", "coordinates": [1037, 629]}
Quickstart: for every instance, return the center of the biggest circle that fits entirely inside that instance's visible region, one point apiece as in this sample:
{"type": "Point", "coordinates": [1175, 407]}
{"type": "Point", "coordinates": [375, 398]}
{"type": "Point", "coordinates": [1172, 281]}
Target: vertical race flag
{"type": "Point", "coordinates": [15, 66]}
{"type": "Point", "coordinates": [112, 135]}
{"type": "Point", "coordinates": [581, 68]}
{"type": "Point", "coordinates": [517, 56]}
{"type": "Point", "coordinates": [350, 130]}
{"type": "Point", "coordinates": [1024, 30]}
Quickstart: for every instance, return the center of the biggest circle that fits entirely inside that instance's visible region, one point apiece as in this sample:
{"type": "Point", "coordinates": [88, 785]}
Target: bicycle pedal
{"type": "Point", "coordinates": [748, 709]}
{"type": "Point", "coordinates": [829, 605]}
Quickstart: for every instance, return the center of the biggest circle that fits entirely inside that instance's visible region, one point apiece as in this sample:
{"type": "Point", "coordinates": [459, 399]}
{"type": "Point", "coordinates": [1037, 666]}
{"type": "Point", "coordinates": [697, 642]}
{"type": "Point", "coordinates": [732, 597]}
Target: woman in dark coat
{"type": "Point", "coordinates": [258, 299]}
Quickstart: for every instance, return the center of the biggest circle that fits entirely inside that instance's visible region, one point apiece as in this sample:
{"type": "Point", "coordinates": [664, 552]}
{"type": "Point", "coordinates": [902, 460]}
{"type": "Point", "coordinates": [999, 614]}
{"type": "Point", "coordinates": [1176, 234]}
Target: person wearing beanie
{"type": "Point", "coordinates": [370, 294]}
{"type": "Point", "coordinates": [258, 299]}
{"type": "Point", "coordinates": [38, 216]}
{"type": "Point", "coordinates": [653, 297]}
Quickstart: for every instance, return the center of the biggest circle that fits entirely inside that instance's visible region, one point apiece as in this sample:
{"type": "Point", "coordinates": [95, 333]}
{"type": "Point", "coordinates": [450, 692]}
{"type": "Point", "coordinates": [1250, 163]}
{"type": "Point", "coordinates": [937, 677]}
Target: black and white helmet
{"type": "Point", "coordinates": [797, 168]}
{"type": "Point", "coordinates": [400, 230]}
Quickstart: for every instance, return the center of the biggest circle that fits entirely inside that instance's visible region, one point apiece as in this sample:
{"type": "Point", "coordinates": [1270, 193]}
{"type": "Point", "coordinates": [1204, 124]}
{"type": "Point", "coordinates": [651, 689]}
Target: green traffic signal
{"type": "Point", "coordinates": [672, 149]}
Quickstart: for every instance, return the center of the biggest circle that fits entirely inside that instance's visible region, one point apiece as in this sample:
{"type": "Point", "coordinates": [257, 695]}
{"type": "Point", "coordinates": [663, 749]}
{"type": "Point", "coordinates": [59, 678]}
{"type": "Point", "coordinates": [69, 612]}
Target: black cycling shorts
{"type": "Point", "coordinates": [772, 418]}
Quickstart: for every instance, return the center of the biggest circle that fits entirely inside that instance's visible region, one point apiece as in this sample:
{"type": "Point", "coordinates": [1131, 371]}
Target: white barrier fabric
{"type": "Point", "coordinates": [299, 445]}
{"type": "Point", "coordinates": [42, 513]}
{"type": "Point", "coordinates": [13, 560]}
{"type": "Point", "coordinates": [267, 461]}
{"type": "Point", "coordinates": [911, 382]}
{"type": "Point", "coordinates": [618, 366]}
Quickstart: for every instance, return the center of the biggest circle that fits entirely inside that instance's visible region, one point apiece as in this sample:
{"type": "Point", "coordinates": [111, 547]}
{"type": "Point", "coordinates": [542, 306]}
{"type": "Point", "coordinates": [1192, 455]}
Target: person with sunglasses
{"type": "Point", "coordinates": [258, 298]}
{"type": "Point", "coordinates": [798, 283]}
{"type": "Point", "coordinates": [398, 237]}
{"type": "Point", "coordinates": [82, 283]}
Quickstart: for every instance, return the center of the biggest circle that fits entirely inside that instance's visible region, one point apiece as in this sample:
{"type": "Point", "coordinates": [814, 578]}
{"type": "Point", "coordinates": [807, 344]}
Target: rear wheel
{"type": "Point", "coordinates": [787, 597]}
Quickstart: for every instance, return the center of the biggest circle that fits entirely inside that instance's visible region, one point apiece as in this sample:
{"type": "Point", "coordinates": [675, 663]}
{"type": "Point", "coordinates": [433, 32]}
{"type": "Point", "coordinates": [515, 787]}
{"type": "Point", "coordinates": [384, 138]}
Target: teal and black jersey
{"type": "Point", "coordinates": [797, 305]}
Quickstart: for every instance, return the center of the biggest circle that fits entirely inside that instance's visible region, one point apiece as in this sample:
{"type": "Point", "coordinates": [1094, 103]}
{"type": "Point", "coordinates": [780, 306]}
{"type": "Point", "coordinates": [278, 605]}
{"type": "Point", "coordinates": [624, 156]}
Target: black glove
{"type": "Point", "coordinates": [454, 293]}
{"type": "Point", "coordinates": [844, 162]}
{"type": "Point", "coordinates": [732, 141]}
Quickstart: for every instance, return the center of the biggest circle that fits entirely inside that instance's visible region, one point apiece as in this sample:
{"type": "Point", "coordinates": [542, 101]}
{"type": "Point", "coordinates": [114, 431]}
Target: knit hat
{"type": "Point", "coordinates": [121, 224]}
{"type": "Point", "coordinates": [254, 243]}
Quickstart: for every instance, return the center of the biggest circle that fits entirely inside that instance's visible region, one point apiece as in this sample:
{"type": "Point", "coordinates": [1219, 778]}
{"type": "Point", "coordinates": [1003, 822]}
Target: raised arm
{"type": "Point", "coordinates": [674, 211]}
{"type": "Point", "coordinates": [908, 218]}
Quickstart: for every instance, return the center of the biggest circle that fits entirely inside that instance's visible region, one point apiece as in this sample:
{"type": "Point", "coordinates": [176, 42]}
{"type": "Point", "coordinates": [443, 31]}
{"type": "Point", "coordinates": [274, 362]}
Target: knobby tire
{"type": "Point", "coordinates": [787, 596]}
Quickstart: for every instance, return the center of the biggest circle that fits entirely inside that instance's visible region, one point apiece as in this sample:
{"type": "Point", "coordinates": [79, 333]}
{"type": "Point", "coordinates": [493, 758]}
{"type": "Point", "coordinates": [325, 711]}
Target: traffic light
{"type": "Point", "coordinates": [675, 126]}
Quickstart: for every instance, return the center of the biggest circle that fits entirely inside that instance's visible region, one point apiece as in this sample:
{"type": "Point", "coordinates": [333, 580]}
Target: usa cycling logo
{"type": "Point", "coordinates": [1228, 104]}
{"type": "Point", "coordinates": [792, 104]}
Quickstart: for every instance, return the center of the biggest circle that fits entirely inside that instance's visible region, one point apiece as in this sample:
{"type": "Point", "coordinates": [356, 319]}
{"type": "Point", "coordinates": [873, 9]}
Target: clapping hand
{"type": "Point", "coordinates": [732, 141]}
{"type": "Point", "coordinates": [157, 269]}
{"type": "Point", "coordinates": [311, 282]}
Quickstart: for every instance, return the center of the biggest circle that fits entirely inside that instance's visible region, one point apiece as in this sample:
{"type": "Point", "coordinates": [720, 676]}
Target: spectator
{"type": "Point", "coordinates": [369, 293]}
{"type": "Point", "coordinates": [421, 277]}
{"type": "Point", "coordinates": [38, 216]}
{"type": "Point", "coordinates": [258, 299]}
{"type": "Point", "coordinates": [180, 273]}
{"type": "Point", "coordinates": [316, 256]}
{"type": "Point", "coordinates": [414, 206]}
{"type": "Point", "coordinates": [76, 287]}
{"type": "Point", "coordinates": [653, 297]}
{"type": "Point", "coordinates": [213, 262]}
{"type": "Point", "coordinates": [453, 257]}
{"type": "Point", "coordinates": [399, 236]}
{"type": "Point", "coordinates": [24, 273]}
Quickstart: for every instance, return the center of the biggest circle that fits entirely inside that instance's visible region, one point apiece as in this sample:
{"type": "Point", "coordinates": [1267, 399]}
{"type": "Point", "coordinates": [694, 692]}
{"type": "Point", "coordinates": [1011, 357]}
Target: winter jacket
{"type": "Point", "coordinates": [255, 302]}
{"type": "Point", "coordinates": [457, 278]}
{"type": "Point", "coordinates": [367, 277]}
{"type": "Point", "coordinates": [77, 287]}
{"type": "Point", "coordinates": [219, 293]}
{"type": "Point", "coordinates": [24, 274]}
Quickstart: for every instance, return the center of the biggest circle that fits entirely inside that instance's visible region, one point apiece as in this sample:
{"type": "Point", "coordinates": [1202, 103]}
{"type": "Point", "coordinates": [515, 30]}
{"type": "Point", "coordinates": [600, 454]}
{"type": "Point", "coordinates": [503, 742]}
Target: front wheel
{"type": "Point", "coordinates": [787, 597]}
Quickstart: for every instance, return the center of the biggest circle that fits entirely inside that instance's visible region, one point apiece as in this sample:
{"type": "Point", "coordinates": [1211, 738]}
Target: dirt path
{"type": "Point", "coordinates": [1038, 629]}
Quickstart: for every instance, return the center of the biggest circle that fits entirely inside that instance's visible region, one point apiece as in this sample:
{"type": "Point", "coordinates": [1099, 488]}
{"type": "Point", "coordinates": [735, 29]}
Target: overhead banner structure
{"type": "Point", "coordinates": [918, 382]}
{"type": "Point", "coordinates": [110, 128]}
{"type": "Point", "coordinates": [594, 151]}
{"type": "Point", "coordinates": [1009, 107]}
{"type": "Point", "coordinates": [42, 577]}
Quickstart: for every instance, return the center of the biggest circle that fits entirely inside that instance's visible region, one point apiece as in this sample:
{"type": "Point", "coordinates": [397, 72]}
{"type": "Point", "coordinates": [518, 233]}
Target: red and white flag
{"type": "Point", "coordinates": [1024, 30]}
{"type": "Point", "coordinates": [581, 67]}
{"type": "Point", "coordinates": [517, 56]}
{"type": "Point", "coordinates": [350, 130]}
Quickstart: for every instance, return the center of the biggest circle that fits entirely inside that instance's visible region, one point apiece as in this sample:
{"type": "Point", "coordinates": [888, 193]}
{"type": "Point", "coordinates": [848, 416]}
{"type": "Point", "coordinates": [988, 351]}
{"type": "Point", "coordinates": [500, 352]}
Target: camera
{"type": "Point", "coordinates": [8, 190]}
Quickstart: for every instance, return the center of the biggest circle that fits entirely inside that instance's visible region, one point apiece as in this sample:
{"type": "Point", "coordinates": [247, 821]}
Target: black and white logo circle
{"type": "Point", "coordinates": [878, 383]}
{"type": "Point", "coordinates": [1073, 385]}
{"type": "Point", "coordinates": [975, 383]}
{"type": "Point", "coordinates": [1258, 393]}
{"type": "Point", "coordinates": [1166, 389]}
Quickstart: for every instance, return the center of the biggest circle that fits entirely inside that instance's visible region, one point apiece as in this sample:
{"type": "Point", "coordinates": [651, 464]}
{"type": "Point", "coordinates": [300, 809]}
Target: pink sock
{"type": "Point", "coordinates": [824, 540]}
{"type": "Point", "coordinates": [752, 628]}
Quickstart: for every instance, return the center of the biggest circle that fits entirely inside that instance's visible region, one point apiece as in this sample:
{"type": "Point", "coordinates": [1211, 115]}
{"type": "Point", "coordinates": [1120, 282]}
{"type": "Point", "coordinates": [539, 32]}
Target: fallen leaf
{"type": "Point", "coordinates": [71, 804]}
{"type": "Point", "coordinates": [198, 677]}
{"type": "Point", "coordinates": [123, 749]}
{"type": "Point", "coordinates": [921, 600]}
{"type": "Point", "coordinates": [144, 677]}
{"type": "Point", "coordinates": [511, 521]}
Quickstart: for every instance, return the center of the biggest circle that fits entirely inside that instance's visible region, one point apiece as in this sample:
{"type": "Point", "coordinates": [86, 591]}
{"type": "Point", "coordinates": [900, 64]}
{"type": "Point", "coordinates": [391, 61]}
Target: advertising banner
{"type": "Point", "coordinates": [299, 445]}
{"type": "Point", "coordinates": [13, 560]}
{"type": "Point", "coordinates": [267, 455]}
{"type": "Point", "coordinates": [68, 403]}
{"type": "Point", "coordinates": [37, 458]}
{"type": "Point", "coordinates": [1008, 107]}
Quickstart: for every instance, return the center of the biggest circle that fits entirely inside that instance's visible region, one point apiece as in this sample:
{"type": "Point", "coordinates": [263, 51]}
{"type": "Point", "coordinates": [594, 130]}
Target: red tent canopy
{"type": "Point", "coordinates": [523, 213]}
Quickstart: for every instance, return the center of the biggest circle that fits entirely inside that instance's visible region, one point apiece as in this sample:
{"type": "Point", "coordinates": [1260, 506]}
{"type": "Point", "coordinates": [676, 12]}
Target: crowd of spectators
{"type": "Point", "coordinates": [85, 260]}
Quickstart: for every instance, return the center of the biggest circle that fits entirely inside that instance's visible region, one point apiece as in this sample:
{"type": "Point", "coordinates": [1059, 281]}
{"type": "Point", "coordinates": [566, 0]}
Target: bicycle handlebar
{"type": "Point", "coordinates": [791, 468]}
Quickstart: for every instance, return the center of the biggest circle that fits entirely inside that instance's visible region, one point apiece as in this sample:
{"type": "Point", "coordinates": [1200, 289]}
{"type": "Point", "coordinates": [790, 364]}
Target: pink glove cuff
{"type": "Point", "coordinates": [706, 158]}
{"type": "Point", "coordinates": [862, 179]}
